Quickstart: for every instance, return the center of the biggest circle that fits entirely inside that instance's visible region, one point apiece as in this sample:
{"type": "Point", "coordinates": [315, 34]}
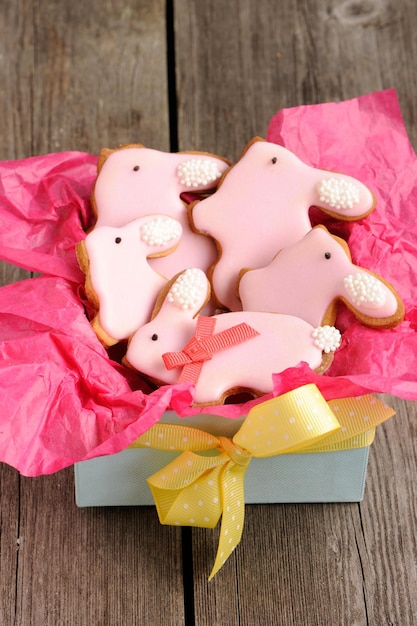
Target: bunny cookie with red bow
{"type": "Point", "coordinates": [224, 354]}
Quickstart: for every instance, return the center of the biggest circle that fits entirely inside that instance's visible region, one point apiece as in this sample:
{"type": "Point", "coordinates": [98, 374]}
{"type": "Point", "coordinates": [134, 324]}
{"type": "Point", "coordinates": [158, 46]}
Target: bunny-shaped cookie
{"type": "Point", "coordinates": [309, 277]}
{"type": "Point", "coordinates": [223, 354]}
{"type": "Point", "coordinates": [120, 282]}
{"type": "Point", "coordinates": [134, 181]}
{"type": "Point", "coordinates": [262, 205]}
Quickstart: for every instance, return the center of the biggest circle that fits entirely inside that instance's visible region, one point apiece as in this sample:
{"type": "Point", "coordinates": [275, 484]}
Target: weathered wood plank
{"type": "Point", "coordinates": [388, 521]}
{"type": "Point", "coordinates": [9, 541]}
{"type": "Point", "coordinates": [16, 37]}
{"type": "Point", "coordinates": [81, 76]}
{"type": "Point", "coordinates": [10, 273]}
{"type": "Point", "coordinates": [100, 76]}
{"type": "Point", "coordinates": [16, 71]}
{"type": "Point", "coordinates": [238, 64]}
{"type": "Point", "coordinates": [93, 566]}
{"type": "Point", "coordinates": [302, 560]}
{"type": "Point", "coordinates": [307, 564]}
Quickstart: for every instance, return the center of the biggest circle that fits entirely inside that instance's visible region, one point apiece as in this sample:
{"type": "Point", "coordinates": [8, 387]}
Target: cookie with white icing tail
{"type": "Point", "coordinates": [120, 283]}
{"type": "Point", "coordinates": [308, 279]}
{"type": "Point", "coordinates": [134, 181]}
{"type": "Point", "coordinates": [262, 205]}
{"type": "Point", "coordinates": [224, 354]}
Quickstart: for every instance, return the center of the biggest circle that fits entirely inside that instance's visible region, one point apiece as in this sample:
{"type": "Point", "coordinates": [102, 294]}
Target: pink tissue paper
{"type": "Point", "coordinates": [65, 399]}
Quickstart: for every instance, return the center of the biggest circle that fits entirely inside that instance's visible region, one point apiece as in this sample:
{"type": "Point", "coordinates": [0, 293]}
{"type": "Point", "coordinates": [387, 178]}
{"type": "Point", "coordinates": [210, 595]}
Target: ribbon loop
{"type": "Point", "coordinates": [187, 490]}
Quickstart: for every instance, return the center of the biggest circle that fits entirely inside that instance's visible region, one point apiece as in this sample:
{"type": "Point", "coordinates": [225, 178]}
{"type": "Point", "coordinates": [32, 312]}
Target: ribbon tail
{"type": "Point", "coordinates": [190, 373]}
{"type": "Point", "coordinates": [362, 440]}
{"type": "Point", "coordinates": [170, 437]}
{"type": "Point", "coordinates": [173, 360]}
{"type": "Point", "coordinates": [233, 513]}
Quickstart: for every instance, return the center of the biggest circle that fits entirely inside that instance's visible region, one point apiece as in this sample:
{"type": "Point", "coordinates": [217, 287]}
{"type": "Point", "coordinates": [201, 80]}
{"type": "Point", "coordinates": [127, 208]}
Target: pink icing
{"type": "Point", "coordinates": [120, 274]}
{"type": "Point", "coordinates": [283, 341]}
{"type": "Point", "coordinates": [262, 206]}
{"type": "Point", "coordinates": [305, 278]}
{"type": "Point", "coordinates": [135, 181]}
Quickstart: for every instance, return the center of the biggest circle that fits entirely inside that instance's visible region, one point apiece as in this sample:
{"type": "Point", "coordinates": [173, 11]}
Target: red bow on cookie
{"type": "Point", "coordinates": [203, 345]}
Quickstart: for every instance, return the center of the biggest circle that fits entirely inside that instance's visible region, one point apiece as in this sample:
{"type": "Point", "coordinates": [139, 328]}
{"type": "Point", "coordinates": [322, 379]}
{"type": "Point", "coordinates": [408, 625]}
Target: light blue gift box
{"type": "Point", "coordinates": [120, 479]}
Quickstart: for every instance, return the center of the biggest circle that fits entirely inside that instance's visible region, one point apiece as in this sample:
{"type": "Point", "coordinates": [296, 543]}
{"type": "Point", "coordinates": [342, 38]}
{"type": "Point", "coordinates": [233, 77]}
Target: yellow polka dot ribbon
{"type": "Point", "coordinates": [207, 480]}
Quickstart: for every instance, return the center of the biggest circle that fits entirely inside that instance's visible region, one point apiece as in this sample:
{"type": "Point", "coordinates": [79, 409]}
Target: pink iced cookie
{"type": "Point", "coordinates": [134, 181]}
{"type": "Point", "coordinates": [262, 205]}
{"type": "Point", "coordinates": [120, 282]}
{"type": "Point", "coordinates": [309, 277]}
{"type": "Point", "coordinates": [223, 354]}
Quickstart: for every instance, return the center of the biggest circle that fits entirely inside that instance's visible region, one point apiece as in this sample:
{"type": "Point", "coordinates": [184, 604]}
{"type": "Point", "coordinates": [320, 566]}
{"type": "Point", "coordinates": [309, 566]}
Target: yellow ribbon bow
{"type": "Point", "coordinates": [196, 489]}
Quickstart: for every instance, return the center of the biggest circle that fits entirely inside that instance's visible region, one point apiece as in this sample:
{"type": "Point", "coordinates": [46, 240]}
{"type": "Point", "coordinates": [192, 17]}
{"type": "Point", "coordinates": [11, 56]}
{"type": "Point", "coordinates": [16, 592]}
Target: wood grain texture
{"type": "Point", "coordinates": [296, 563]}
{"type": "Point", "coordinates": [10, 273]}
{"type": "Point", "coordinates": [258, 57]}
{"type": "Point", "coordinates": [9, 541]}
{"type": "Point", "coordinates": [93, 566]}
{"type": "Point", "coordinates": [307, 564]}
{"type": "Point", "coordinates": [389, 520]}
{"type": "Point", "coordinates": [100, 75]}
{"type": "Point", "coordinates": [81, 77]}
{"type": "Point", "coordinates": [16, 71]}
{"type": "Point", "coordinates": [76, 77]}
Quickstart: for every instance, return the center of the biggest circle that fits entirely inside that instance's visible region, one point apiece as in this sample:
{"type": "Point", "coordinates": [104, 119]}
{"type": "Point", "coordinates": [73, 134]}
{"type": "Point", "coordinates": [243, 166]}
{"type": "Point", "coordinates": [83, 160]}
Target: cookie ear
{"type": "Point", "coordinates": [102, 157]}
{"type": "Point", "coordinates": [373, 300]}
{"type": "Point", "coordinates": [82, 256]}
{"type": "Point", "coordinates": [106, 152]}
{"type": "Point", "coordinates": [185, 295]}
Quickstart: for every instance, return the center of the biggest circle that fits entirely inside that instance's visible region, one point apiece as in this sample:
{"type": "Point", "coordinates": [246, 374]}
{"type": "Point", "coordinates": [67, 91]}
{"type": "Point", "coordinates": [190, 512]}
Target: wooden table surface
{"type": "Point", "coordinates": [204, 76]}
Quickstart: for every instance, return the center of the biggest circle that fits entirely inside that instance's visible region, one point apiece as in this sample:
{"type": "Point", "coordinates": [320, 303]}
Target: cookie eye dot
{"type": "Point", "coordinates": [118, 240]}
{"type": "Point", "coordinates": [274, 160]}
{"type": "Point", "coordinates": [327, 255]}
{"type": "Point", "coordinates": [154, 337]}
{"type": "Point", "coordinates": [136, 168]}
